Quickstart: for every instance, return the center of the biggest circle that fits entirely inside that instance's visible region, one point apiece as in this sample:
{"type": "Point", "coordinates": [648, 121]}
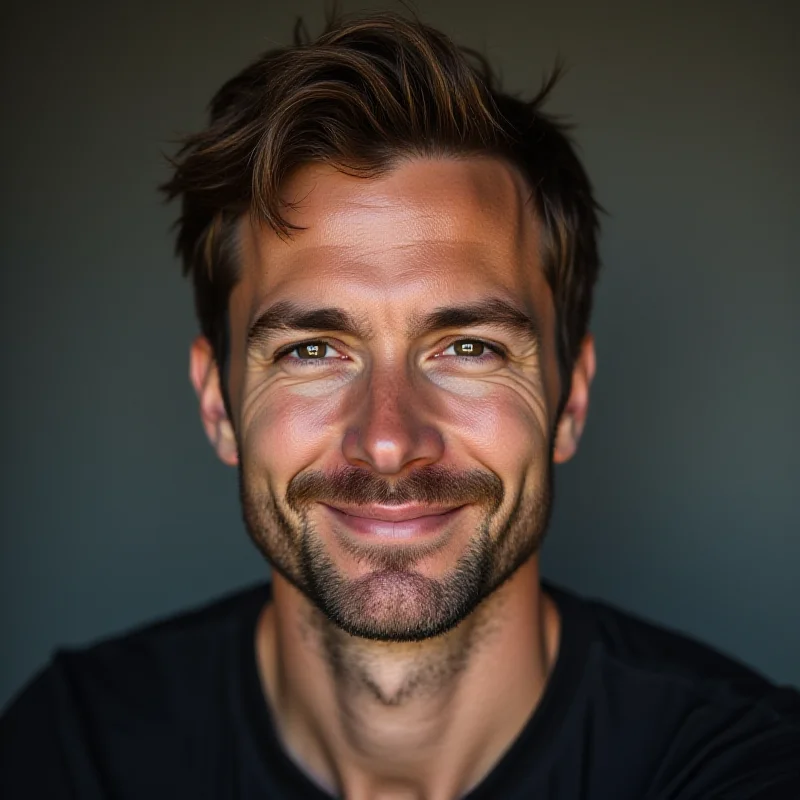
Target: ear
{"type": "Point", "coordinates": [204, 375]}
{"type": "Point", "coordinates": [573, 417]}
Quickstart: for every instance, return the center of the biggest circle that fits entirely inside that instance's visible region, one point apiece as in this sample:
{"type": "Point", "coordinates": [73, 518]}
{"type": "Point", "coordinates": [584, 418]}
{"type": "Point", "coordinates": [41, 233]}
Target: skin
{"type": "Point", "coordinates": [366, 718]}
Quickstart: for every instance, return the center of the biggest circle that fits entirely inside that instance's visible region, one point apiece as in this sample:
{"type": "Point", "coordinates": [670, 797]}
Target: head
{"type": "Point", "coordinates": [393, 266]}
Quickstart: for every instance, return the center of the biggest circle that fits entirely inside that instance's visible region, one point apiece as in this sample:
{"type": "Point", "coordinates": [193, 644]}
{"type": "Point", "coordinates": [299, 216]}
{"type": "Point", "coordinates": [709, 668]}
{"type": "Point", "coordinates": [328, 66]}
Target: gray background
{"type": "Point", "coordinates": [682, 503]}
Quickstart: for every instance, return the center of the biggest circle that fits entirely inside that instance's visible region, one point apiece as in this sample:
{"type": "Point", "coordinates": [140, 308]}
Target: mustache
{"type": "Point", "coordinates": [434, 484]}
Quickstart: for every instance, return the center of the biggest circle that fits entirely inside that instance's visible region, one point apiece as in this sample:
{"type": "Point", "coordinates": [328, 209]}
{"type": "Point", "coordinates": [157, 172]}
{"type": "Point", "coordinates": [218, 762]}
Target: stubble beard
{"type": "Point", "coordinates": [394, 602]}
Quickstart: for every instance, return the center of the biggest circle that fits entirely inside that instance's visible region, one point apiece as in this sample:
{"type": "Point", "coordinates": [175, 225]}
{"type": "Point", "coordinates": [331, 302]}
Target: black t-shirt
{"type": "Point", "coordinates": [175, 710]}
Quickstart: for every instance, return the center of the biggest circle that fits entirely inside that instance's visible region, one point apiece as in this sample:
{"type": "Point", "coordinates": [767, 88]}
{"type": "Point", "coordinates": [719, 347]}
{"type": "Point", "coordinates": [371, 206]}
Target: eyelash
{"type": "Point", "coordinates": [495, 350]}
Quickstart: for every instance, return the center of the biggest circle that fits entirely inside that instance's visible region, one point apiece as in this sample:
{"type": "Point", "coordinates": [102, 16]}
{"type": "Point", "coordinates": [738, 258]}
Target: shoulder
{"type": "Point", "coordinates": [158, 669]}
{"type": "Point", "coordinates": [653, 652]}
{"type": "Point", "coordinates": [93, 712]}
{"type": "Point", "coordinates": [702, 723]}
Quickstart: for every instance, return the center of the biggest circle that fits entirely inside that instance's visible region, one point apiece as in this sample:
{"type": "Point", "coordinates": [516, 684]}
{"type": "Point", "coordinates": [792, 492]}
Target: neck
{"type": "Point", "coordinates": [429, 719]}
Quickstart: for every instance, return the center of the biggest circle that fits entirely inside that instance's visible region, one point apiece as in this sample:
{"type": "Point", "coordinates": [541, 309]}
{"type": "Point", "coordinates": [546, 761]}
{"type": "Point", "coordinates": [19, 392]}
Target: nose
{"type": "Point", "coordinates": [389, 433]}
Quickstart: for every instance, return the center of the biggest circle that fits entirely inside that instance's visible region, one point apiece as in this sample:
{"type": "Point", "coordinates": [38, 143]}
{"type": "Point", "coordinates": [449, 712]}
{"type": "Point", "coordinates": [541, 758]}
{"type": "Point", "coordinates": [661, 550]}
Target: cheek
{"type": "Point", "coordinates": [284, 433]}
{"type": "Point", "coordinates": [505, 430]}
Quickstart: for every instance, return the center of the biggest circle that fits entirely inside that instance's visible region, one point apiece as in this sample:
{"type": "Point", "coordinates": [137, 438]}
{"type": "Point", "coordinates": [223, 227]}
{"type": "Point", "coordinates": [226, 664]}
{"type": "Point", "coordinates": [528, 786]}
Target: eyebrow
{"type": "Point", "coordinates": [494, 312]}
{"type": "Point", "coordinates": [286, 316]}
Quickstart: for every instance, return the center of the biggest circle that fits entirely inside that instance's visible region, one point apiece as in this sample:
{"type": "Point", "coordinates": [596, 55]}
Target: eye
{"type": "Point", "coordinates": [308, 353]}
{"type": "Point", "coordinates": [473, 350]}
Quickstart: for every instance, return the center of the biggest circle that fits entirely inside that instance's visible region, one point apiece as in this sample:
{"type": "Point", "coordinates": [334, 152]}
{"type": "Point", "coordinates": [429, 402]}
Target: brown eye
{"type": "Point", "coordinates": [473, 351]}
{"type": "Point", "coordinates": [468, 348]}
{"type": "Point", "coordinates": [311, 350]}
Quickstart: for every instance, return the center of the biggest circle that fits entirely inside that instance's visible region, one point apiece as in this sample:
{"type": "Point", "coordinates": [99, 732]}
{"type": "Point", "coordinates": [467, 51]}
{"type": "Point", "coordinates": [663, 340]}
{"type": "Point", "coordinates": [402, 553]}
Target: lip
{"type": "Point", "coordinates": [393, 513]}
{"type": "Point", "coordinates": [401, 522]}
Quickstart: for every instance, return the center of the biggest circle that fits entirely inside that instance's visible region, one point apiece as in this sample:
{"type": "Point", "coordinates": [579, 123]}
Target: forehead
{"type": "Point", "coordinates": [446, 227]}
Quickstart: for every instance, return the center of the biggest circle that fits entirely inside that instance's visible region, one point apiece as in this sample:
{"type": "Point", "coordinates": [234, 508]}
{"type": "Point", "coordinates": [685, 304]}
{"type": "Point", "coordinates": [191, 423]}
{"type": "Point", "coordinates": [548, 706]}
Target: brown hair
{"type": "Point", "coordinates": [369, 91]}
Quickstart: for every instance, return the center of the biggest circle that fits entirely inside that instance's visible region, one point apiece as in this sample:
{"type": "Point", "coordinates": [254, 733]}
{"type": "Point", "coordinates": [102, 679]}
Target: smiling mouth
{"type": "Point", "coordinates": [410, 522]}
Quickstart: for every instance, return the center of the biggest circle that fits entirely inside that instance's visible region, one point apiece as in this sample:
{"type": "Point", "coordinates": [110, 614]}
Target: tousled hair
{"type": "Point", "coordinates": [370, 91]}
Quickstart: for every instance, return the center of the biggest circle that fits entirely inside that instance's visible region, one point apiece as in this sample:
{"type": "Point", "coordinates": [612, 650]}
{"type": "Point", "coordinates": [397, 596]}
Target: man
{"type": "Point", "coordinates": [393, 264]}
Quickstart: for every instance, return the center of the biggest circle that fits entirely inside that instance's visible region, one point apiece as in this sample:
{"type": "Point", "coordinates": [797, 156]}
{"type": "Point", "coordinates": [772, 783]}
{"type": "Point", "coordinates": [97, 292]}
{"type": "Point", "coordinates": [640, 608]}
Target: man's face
{"type": "Point", "coordinates": [396, 412]}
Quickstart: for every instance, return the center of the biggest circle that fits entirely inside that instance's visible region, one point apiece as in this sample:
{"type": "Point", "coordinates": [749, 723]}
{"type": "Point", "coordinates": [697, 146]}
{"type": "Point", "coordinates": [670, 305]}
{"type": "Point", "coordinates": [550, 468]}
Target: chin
{"type": "Point", "coordinates": [394, 606]}
{"type": "Point", "coordinates": [398, 602]}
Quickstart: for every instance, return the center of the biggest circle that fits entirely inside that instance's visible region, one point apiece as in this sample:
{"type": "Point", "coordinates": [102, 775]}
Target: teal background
{"type": "Point", "coordinates": [682, 504]}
